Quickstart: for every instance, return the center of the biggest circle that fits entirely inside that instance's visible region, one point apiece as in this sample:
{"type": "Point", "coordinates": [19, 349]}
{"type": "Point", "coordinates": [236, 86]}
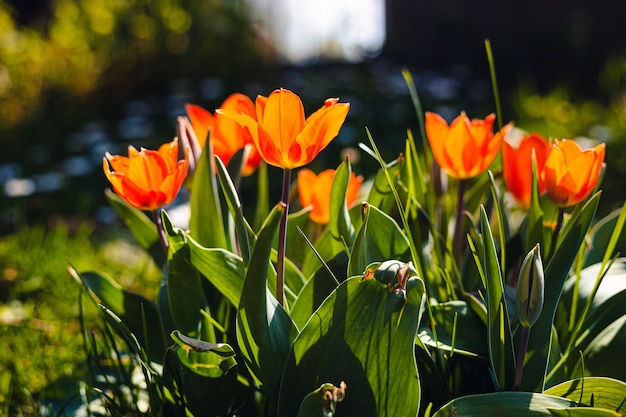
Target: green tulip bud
{"type": "Point", "coordinates": [530, 288]}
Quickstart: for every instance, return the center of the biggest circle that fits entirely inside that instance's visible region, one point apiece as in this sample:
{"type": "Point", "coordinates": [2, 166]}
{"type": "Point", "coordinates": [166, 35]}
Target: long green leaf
{"type": "Point", "coordinates": [536, 365]}
{"type": "Point", "coordinates": [501, 354]}
{"type": "Point", "coordinates": [264, 330]}
{"type": "Point", "coordinates": [604, 393]}
{"type": "Point", "coordinates": [510, 404]}
{"type": "Point", "coordinates": [206, 224]}
{"type": "Point", "coordinates": [340, 226]}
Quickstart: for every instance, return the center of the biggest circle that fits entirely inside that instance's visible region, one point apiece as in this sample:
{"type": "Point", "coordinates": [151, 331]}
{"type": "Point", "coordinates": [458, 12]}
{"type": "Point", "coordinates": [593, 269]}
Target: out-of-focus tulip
{"type": "Point", "coordinates": [282, 135]}
{"type": "Point", "coordinates": [227, 136]}
{"type": "Point", "coordinates": [147, 179]}
{"type": "Point", "coordinates": [466, 147]}
{"type": "Point", "coordinates": [517, 151]}
{"type": "Point", "coordinates": [530, 288]}
{"type": "Point", "coordinates": [570, 173]}
{"type": "Point", "coordinates": [314, 190]}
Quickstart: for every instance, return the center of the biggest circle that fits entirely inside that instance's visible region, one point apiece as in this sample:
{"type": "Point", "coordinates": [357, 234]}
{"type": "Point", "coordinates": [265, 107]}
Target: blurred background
{"type": "Point", "coordinates": [79, 78]}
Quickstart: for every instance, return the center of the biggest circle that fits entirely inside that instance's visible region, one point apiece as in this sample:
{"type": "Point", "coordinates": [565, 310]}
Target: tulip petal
{"type": "Point", "coordinates": [201, 121]}
{"type": "Point", "coordinates": [283, 118]}
{"type": "Point", "coordinates": [321, 128]}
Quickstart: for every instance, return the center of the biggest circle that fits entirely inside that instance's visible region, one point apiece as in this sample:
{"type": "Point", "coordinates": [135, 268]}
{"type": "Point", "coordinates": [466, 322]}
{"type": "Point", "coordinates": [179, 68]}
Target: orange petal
{"type": "Point", "coordinates": [437, 132]}
{"type": "Point", "coordinates": [306, 186]}
{"type": "Point", "coordinates": [283, 118]}
{"type": "Point", "coordinates": [201, 121]}
{"type": "Point", "coordinates": [321, 128]}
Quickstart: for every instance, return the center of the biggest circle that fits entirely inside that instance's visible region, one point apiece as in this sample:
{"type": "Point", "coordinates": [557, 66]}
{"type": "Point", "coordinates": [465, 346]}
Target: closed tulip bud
{"type": "Point", "coordinates": [530, 288]}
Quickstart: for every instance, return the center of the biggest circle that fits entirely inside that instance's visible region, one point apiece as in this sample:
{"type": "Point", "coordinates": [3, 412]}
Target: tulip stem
{"type": "Point", "coordinates": [521, 354]}
{"type": "Point", "coordinates": [457, 248]}
{"type": "Point", "coordinates": [156, 215]}
{"type": "Point", "coordinates": [282, 239]}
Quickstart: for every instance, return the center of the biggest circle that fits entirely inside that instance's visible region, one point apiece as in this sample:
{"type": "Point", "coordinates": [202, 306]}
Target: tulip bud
{"type": "Point", "coordinates": [530, 288]}
{"type": "Point", "coordinates": [390, 273]}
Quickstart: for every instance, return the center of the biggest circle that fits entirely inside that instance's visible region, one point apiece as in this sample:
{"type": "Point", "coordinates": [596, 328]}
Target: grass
{"type": "Point", "coordinates": [39, 313]}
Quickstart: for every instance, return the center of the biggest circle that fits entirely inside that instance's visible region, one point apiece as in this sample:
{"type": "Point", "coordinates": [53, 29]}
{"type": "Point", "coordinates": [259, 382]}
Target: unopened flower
{"type": "Point", "coordinates": [314, 190]}
{"type": "Point", "coordinates": [466, 147]}
{"type": "Point", "coordinates": [530, 288]}
{"type": "Point", "coordinates": [227, 136]}
{"type": "Point", "coordinates": [517, 164]}
{"type": "Point", "coordinates": [147, 179]}
{"type": "Point", "coordinates": [570, 173]}
{"type": "Point", "coordinates": [282, 135]}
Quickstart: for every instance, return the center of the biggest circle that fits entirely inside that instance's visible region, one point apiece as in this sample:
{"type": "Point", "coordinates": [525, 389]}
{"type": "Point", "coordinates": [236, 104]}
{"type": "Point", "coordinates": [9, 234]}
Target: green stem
{"type": "Point", "coordinates": [156, 215]}
{"type": "Point", "coordinates": [282, 239]}
{"type": "Point", "coordinates": [521, 353]}
{"type": "Point", "coordinates": [457, 248]}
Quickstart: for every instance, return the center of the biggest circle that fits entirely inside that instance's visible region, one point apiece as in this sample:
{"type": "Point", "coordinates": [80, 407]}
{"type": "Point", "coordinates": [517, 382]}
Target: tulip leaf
{"type": "Point", "coordinates": [220, 267]}
{"type": "Point", "coordinates": [264, 330]}
{"type": "Point", "coordinates": [184, 283]}
{"type": "Point", "coordinates": [262, 207]}
{"type": "Point", "coordinates": [534, 223]}
{"type": "Point", "coordinates": [315, 291]}
{"type": "Point", "coordinates": [601, 236]}
{"type": "Point", "coordinates": [202, 371]}
{"type": "Point", "coordinates": [137, 313]}
{"type": "Point", "coordinates": [297, 247]}
{"type": "Point", "coordinates": [606, 393]}
{"type": "Point", "coordinates": [459, 330]}
{"type": "Point", "coordinates": [140, 226]}
{"type": "Point", "coordinates": [242, 227]}
{"type": "Point", "coordinates": [340, 226]}
{"type": "Point", "coordinates": [501, 354]}
{"type": "Point", "coordinates": [497, 404]}
{"type": "Point", "coordinates": [380, 194]}
{"type": "Point", "coordinates": [363, 334]}
{"type": "Point", "coordinates": [327, 247]}
{"type": "Point", "coordinates": [206, 224]}
{"type": "Point", "coordinates": [557, 270]}
{"type": "Point", "coordinates": [609, 299]}
{"type": "Point", "coordinates": [379, 238]}
{"type": "Point", "coordinates": [583, 412]}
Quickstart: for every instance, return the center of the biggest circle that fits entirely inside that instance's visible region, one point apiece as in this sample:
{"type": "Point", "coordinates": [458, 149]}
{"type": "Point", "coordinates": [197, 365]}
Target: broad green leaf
{"type": "Point", "coordinates": [340, 226]}
{"type": "Point", "coordinates": [601, 237]}
{"type": "Point", "coordinates": [315, 291]}
{"type": "Point", "coordinates": [220, 267]}
{"type": "Point", "coordinates": [327, 246]}
{"type": "Point", "coordinates": [297, 248]}
{"type": "Point", "coordinates": [459, 330]}
{"type": "Point", "coordinates": [603, 393]}
{"type": "Point", "coordinates": [206, 224]}
{"type": "Point", "coordinates": [498, 404]}
{"type": "Point", "coordinates": [205, 375]}
{"type": "Point", "coordinates": [184, 283]}
{"type": "Point", "coordinates": [602, 356]}
{"type": "Point", "coordinates": [138, 314]}
{"type": "Point", "coordinates": [379, 238]}
{"type": "Point", "coordinates": [140, 226]}
{"type": "Point", "coordinates": [501, 354]}
{"type": "Point", "coordinates": [557, 270]}
{"type": "Point", "coordinates": [264, 330]}
{"type": "Point", "coordinates": [583, 412]}
{"type": "Point", "coordinates": [363, 334]}
{"type": "Point", "coordinates": [609, 302]}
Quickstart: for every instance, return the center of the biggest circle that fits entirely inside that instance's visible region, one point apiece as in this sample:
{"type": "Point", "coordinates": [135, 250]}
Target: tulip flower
{"type": "Point", "coordinates": [227, 136]}
{"type": "Point", "coordinates": [530, 288]}
{"type": "Point", "coordinates": [466, 147]}
{"type": "Point", "coordinates": [314, 190]}
{"type": "Point", "coordinates": [517, 164]}
{"type": "Point", "coordinates": [147, 179]}
{"type": "Point", "coordinates": [282, 135]}
{"type": "Point", "coordinates": [285, 139]}
{"type": "Point", "coordinates": [570, 173]}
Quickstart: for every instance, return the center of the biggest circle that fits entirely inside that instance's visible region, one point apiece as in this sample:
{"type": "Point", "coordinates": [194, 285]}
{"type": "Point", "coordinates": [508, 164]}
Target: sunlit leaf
{"type": "Point", "coordinates": [510, 404]}
{"type": "Point", "coordinates": [604, 393]}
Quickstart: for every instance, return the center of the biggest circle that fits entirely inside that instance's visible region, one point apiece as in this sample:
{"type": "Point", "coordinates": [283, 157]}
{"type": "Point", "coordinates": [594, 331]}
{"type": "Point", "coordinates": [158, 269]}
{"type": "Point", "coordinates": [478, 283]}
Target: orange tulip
{"type": "Point", "coordinates": [465, 148]}
{"type": "Point", "coordinates": [314, 190]}
{"type": "Point", "coordinates": [282, 135]}
{"type": "Point", "coordinates": [571, 173]}
{"type": "Point", "coordinates": [147, 179]}
{"type": "Point", "coordinates": [517, 164]}
{"type": "Point", "coordinates": [227, 136]}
